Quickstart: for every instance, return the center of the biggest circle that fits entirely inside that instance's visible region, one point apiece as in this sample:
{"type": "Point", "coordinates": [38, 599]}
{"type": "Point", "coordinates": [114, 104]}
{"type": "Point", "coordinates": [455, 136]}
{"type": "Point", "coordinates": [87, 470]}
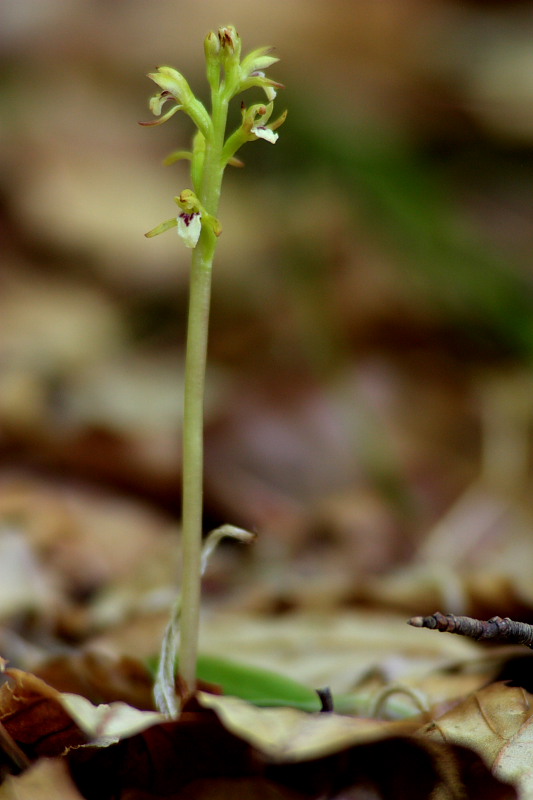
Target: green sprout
{"type": "Point", "coordinates": [198, 226]}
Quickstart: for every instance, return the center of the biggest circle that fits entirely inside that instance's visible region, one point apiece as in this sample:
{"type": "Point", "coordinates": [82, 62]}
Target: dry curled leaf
{"type": "Point", "coordinates": [107, 723]}
{"type": "Point", "coordinates": [45, 722]}
{"type": "Point", "coordinates": [197, 754]}
{"type": "Point", "coordinates": [515, 759]}
{"type": "Point", "coordinates": [496, 722]}
{"type": "Point", "coordinates": [33, 715]}
{"type": "Point", "coordinates": [288, 735]}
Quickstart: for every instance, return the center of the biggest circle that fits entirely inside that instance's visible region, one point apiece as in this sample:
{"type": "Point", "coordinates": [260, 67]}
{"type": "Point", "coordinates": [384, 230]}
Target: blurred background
{"type": "Point", "coordinates": [369, 390]}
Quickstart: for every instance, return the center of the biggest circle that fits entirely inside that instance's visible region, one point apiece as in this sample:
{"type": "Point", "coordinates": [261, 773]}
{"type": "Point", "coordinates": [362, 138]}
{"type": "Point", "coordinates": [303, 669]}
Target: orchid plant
{"type": "Point", "coordinates": [198, 226]}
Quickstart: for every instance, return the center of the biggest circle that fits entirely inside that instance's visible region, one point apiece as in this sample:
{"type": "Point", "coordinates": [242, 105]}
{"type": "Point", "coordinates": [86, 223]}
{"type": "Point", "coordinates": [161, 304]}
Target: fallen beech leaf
{"type": "Point", "coordinates": [496, 722]}
{"type": "Point", "coordinates": [108, 723]}
{"type": "Point", "coordinates": [33, 715]}
{"type": "Point", "coordinates": [45, 722]}
{"type": "Point", "coordinates": [46, 779]}
{"type": "Point", "coordinates": [197, 757]}
{"type": "Point", "coordinates": [514, 762]}
{"type": "Point", "coordinates": [486, 721]}
{"type": "Point", "coordinates": [287, 734]}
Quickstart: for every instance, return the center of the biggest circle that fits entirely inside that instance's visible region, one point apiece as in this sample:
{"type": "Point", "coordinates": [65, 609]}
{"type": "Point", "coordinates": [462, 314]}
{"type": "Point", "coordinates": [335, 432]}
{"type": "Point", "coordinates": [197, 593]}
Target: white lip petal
{"type": "Point", "coordinates": [266, 134]}
{"type": "Point", "coordinates": [190, 228]}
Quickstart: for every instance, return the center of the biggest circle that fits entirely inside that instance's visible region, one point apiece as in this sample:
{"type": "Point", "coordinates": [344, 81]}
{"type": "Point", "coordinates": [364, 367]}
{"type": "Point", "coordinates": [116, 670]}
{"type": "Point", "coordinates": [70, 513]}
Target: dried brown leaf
{"type": "Point", "coordinates": [45, 722]}
{"type": "Point", "coordinates": [34, 716]}
{"type": "Point", "coordinates": [514, 762]}
{"type": "Point", "coordinates": [288, 735]}
{"type": "Point", "coordinates": [486, 721]}
{"type": "Point", "coordinates": [198, 754]}
{"type": "Point", "coordinates": [497, 723]}
{"type": "Point", "coordinates": [107, 723]}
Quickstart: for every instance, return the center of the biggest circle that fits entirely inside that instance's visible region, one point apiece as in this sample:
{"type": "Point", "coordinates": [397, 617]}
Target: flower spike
{"type": "Point", "coordinates": [197, 225]}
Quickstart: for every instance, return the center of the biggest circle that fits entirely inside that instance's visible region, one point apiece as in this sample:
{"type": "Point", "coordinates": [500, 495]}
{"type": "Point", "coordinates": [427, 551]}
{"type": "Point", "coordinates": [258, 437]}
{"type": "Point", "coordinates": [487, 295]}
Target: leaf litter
{"type": "Point", "coordinates": [88, 631]}
{"type": "Point", "coordinates": [349, 545]}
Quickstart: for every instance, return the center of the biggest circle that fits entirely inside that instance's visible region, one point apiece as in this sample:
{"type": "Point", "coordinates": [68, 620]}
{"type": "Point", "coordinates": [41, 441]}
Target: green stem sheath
{"type": "Point", "coordinates": [194, 390]}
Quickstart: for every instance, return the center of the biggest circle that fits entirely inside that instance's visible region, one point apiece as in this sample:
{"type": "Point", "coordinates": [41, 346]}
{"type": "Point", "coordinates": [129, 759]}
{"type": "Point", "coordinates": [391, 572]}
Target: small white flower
{"type": "Point", "coordinates": [190, 228]}
{"type": "Point", "coordinates": [172, 83]}
{"type": "Point", "coordinates": [265, 133]}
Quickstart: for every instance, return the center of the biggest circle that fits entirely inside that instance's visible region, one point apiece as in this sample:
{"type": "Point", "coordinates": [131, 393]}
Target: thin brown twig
{"type": "Point", "coordinates": [497, 629]}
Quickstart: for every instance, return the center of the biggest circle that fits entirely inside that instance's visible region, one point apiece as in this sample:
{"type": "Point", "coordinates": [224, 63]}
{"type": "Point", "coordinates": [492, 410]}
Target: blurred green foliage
{"type": "Point", "coordinates": [407, 202]}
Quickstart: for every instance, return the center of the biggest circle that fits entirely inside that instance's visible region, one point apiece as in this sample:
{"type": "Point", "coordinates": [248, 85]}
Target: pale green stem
{"type": "Point", "coordinates": [195, 365]}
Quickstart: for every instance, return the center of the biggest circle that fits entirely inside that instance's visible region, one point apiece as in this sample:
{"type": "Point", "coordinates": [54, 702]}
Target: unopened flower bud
{"type": "Point", "coordinates": [211, 45]}
{"type": "Point", "coordinates": [212, 59]}
{"type": "Point", "coordinates": [230, 41]}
